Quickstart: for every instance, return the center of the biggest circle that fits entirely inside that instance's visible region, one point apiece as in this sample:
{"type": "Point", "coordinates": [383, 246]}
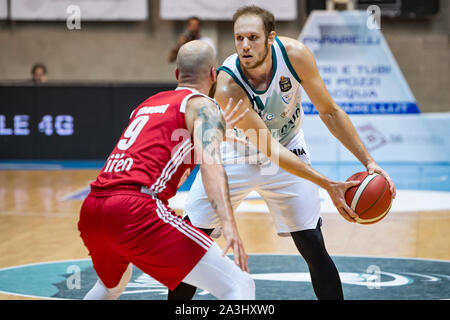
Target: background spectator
{"type": "Point", "coordinates": [39, 73]}
{"type": "Point", "coordinates": [193, 29]}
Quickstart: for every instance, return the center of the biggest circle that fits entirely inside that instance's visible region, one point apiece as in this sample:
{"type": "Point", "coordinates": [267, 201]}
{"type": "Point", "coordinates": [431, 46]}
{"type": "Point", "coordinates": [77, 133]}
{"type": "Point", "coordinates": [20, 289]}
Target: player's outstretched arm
{"type": "Point", "coordinates": [207, 127]}
{"type": "Point", "coordinates": [334, 117]}
{"type": "Point", "coordinates": [259, 135]}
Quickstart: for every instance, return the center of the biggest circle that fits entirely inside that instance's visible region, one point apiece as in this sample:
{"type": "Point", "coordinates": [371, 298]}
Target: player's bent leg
{"type": "Point", "coordinates": [221, 277]}
{"type": "Point", "coordinates": [185, 291]}
{"type": "Point", "coordinates": [100, 292]}
{"type": "Point", "coordinates": [324, 275]}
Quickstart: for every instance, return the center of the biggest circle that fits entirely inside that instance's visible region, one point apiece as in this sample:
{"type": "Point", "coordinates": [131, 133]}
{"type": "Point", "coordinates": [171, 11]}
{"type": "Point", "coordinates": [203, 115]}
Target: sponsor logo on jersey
{"type": "Point", "coordinates": [277, 276]}
{"type": "Point", "coordinates": [285, 84]}
{"type": "Point", "coordinates": [152, 109]}
{"type": "Point", "coordinates": [287, 98]}
{"type": "Point", "coordinates": [292, 122]}
{"type": "Point", "coordinates": [269, 116]}
{"type": "Point", "coordinates": [117, 164]}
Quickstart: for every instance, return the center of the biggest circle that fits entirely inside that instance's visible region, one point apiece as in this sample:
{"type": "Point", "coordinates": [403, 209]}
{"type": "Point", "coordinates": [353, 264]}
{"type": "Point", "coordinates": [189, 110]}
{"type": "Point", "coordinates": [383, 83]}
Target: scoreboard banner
{"type": "Point", "coordinates": [66, 122]}
{"type": "Point", "coordinates": [356, 64]}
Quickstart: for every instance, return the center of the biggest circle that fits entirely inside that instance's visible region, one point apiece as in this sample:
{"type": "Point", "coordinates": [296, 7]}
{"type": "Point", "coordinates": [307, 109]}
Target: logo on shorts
{"type": "Point", "coordinates": [285, 84]}
{"type": "Point", "coordinates": [299, 152]}
{"type": "Point", "coordinates": [277, 277]}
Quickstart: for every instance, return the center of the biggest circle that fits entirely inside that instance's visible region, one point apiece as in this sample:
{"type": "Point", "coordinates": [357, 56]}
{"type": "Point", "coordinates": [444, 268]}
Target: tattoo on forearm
{"type": "Point", "coordinates": [213, 204]}
{"type": "Point", "coordinates": [212, 130]}
{"type": "Point", "coordinates": [224, 193]}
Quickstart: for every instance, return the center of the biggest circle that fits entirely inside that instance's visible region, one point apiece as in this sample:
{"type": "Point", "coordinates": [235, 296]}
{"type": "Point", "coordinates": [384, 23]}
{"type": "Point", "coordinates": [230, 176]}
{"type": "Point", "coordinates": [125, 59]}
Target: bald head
{"type": "Point", "coordinates": [195, 60]}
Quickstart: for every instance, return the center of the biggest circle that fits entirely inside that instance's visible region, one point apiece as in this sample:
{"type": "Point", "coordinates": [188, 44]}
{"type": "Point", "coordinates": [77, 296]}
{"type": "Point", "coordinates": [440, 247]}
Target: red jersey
{"type": "Point", "coordinates": [156, 149]}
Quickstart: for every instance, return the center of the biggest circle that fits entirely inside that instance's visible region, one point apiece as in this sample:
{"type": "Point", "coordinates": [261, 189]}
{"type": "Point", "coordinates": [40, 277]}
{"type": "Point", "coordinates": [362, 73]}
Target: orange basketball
{"type": "Point", "coordinates": [371, 199]}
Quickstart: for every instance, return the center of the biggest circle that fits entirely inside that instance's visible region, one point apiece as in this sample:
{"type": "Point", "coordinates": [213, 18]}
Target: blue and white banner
{"type": "Point", "coordinates": [412, 138]}
{"type": "Point", "coordinates": [356, 64]}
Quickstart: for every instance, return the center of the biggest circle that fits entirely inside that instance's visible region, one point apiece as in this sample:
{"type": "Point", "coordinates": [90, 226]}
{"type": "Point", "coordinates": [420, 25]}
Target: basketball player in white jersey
{"type": "Point", "coordinates": [266, 73]}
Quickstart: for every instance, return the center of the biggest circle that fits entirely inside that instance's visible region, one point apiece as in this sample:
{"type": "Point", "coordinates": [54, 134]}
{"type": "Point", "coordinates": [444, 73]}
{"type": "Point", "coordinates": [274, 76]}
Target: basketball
{"type": "Point", "coordinates": [371, 199]}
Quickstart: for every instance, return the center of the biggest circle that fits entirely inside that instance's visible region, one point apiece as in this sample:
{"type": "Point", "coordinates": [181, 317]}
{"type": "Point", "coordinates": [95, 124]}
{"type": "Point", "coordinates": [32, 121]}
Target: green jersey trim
{"type": "Point", "coordinates": [231, 73]}
{"type": "Point", "coordinates": [286, 59]}
{"type": "Point", "coordinates": [274, 67]}
{"type": "Point", "coordinates": [259, 103]}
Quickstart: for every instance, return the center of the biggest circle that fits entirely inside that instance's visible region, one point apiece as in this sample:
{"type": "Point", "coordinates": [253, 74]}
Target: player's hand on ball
{"type": "Point", "coordinates": [336, 190]}
{"type": "Point", "coordinates": [374, 167]}
{"type": "Point", "coordinates": [234, 242]}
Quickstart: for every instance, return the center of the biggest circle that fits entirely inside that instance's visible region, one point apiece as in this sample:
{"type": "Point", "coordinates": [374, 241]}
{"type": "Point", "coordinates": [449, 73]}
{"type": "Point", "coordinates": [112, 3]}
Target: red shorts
{"type": "Point", "coordinates": [122, 225]}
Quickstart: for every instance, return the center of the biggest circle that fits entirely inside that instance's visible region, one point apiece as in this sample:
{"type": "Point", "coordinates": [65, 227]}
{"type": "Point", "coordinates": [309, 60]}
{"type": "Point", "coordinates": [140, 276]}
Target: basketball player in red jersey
{"type": "Point", "coordinates": [126, 219]}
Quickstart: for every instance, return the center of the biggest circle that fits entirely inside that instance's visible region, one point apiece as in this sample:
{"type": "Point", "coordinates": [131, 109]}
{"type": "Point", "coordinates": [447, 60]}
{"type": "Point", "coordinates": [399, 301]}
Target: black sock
{"type": "Point", "coordinates": [184, 291]}
{"type": "Point", "coordinates": [324, 275]}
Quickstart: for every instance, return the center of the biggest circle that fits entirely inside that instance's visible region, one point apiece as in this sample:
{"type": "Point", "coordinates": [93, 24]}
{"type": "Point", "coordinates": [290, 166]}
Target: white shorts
{"type": "Point", "coordinates": [293, 202]}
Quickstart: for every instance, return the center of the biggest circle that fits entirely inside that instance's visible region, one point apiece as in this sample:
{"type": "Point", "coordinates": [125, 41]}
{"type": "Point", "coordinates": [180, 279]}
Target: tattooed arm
{"type": "Point", "coordinates": [207, 127]}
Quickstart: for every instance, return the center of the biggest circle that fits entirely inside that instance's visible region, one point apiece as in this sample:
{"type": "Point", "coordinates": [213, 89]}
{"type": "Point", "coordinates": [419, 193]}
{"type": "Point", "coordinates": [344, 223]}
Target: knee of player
{"type": "Point", "coordinates": [309, 240]}
{"type": "Point", "coordinates": [315, 242]}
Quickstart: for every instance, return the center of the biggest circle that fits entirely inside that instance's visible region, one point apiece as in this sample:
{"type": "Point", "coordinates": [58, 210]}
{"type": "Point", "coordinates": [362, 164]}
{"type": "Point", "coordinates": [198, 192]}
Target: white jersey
{"type": "Point", "coordinates": [293, 202]}
{"type": "Point", "coordinates": [279, 106]}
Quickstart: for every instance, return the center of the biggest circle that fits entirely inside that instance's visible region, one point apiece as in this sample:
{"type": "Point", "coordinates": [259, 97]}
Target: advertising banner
{"type": "Point", "coordinates": [413, 138]}
{"type": "Point", "coordinates": [67, 121]}
{"type": "Point", "coordinates": [356, 64]}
